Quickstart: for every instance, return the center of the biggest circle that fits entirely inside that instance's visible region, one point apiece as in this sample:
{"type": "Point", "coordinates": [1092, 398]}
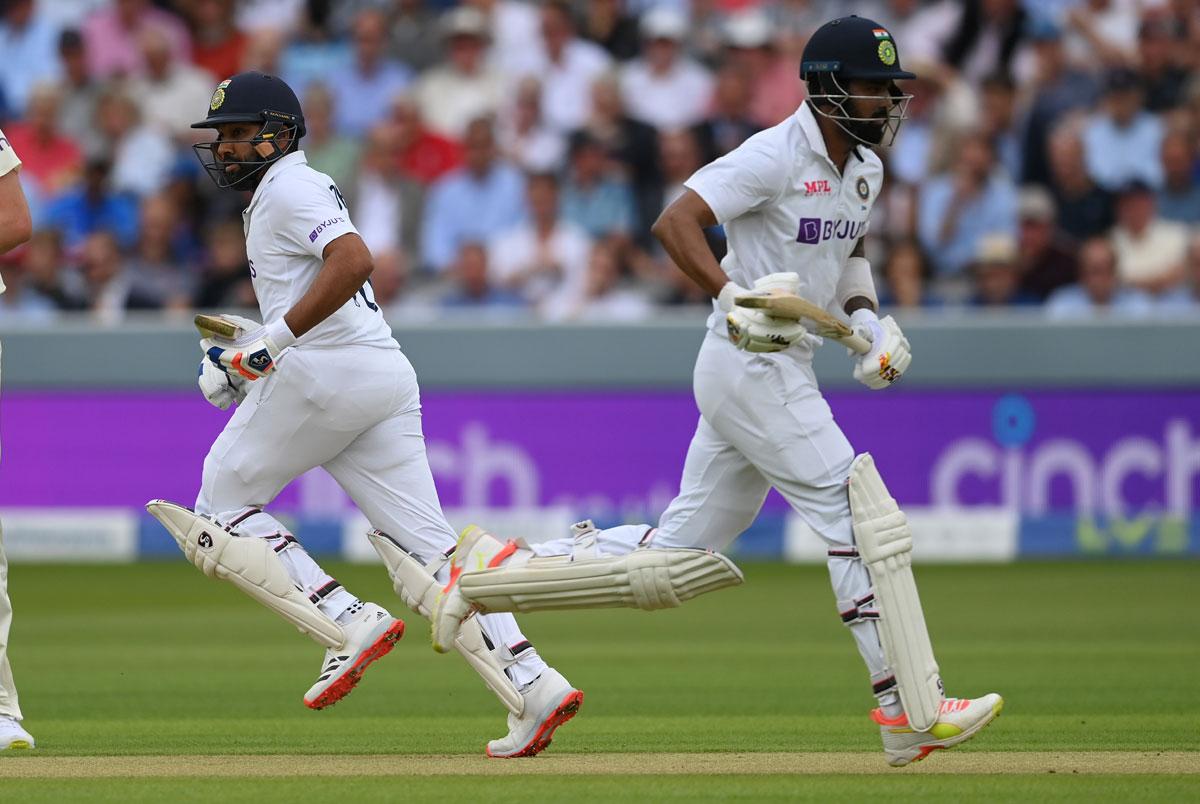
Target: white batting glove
{"type": "Point", "coordinates": [754, 330]}
{"type": "Point", "coordinates": [728, 293]}
{"type": "Point", "coordinates": [786, 282]}
{"type": "Point", "coordinates": [253, 355]}
{"type": "Point", "coordinates": [220, 389]}
{"type": "Point", "coordinates": [890, 355]}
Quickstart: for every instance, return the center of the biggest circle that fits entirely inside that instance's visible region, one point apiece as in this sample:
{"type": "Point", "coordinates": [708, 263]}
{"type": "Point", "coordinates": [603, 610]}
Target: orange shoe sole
{"type": "Point", "coordinates": [342, 687]}
{"type": "Point", "coordinates": [545, 733]}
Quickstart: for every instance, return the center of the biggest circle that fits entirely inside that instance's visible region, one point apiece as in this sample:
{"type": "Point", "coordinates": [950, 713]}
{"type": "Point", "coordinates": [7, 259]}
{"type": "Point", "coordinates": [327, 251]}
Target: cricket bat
{"type": "Point", "coordinates": [794, 308]}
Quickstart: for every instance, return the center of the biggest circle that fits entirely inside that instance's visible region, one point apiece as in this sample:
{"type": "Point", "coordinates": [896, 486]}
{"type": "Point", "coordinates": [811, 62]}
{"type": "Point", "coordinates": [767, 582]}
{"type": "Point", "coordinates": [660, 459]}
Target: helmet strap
{"type": "Point", "coordinates": [266, 143]}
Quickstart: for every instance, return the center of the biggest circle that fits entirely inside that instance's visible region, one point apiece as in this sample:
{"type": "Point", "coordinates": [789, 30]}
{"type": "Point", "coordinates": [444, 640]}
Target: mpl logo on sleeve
{"type": "Point", "coordinates": [816, 230]}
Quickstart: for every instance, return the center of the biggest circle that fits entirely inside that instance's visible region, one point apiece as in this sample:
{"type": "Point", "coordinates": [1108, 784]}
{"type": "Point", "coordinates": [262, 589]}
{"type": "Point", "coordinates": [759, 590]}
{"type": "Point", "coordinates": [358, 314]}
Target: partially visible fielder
{"type": "Point", "coordinates": [794, 198]}
{"type": "Point", "coordinates": [323, 383]}
{"type": "Point", "coordinates": [15, 229]}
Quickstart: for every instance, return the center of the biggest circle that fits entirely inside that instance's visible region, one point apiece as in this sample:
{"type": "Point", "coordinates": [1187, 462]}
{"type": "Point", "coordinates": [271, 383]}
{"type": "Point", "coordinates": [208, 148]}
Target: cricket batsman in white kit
{"type": "Point", "coordinates": [324, 383]}
{"type": "Point", "coordinates": [795, 201]}
{"type": "Point", "coordinates": [15, 229]}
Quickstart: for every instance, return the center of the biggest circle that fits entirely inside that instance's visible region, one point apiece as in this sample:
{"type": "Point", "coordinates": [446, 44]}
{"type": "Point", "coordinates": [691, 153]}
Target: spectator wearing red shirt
{"type": "Point", "coordinates": [51, 159]}
{"type": "Point", "coordinates": [422, 154]}
{"type": "Point", "coordinates": [217, 45]}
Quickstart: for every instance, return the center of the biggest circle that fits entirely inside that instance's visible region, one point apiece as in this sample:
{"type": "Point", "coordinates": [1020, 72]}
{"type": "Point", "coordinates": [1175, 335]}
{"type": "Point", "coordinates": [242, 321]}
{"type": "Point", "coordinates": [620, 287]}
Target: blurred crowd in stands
{"type": "Point", "coordinates": [509, 157]}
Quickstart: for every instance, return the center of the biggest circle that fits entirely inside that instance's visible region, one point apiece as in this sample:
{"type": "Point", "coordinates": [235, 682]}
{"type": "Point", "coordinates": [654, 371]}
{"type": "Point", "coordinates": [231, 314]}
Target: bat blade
{"type": "Point", "coordinates": [215, 326]}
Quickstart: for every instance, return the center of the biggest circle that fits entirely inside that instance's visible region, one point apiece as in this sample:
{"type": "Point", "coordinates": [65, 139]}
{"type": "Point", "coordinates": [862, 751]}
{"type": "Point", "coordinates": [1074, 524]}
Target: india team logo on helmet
{"type": "Point", "coordinates": [218, 96]}
{"type": "Point", "coordinates": [887, 52]}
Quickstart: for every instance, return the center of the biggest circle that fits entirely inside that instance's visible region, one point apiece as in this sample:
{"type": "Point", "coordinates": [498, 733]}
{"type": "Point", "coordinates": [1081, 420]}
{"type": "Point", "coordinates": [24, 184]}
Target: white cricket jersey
{"type": "Point", "coordinates": [294, 214]}
{"type": "Point", "coordinates": [8, 163]}
{"type": "Point", "coordinates": [785, 207]}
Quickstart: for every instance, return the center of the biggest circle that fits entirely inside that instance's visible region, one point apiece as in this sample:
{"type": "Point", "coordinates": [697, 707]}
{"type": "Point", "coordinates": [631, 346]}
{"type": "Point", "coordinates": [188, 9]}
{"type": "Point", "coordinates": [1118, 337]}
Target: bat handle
{"type": "Point", "coordinates": [856, 342]}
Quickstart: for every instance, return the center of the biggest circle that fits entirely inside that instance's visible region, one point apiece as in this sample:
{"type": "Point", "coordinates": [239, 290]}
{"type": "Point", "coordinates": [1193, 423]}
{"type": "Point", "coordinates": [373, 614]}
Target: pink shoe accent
{"type": "Point", "coordinates": [883, 720]}
{"type": "Point", "coordinates": [504, 553]}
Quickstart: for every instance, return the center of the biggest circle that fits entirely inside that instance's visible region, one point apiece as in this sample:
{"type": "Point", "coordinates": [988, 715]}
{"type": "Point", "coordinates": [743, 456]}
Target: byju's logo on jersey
{"type": "Point", "coordinates": [322, 226]}
{"type": "Point", "coordinates": [817, 230]}
{"type": "Point", "coordinates": [817, 187]}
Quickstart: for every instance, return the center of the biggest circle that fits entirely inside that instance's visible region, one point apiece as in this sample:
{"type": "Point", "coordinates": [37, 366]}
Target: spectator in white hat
{"type": "Point", "coordinates": [774, 81]}
{"type": "Point", "coordinates": [665, 88]}
{"type": "Point", "coordinates": [463, 86]}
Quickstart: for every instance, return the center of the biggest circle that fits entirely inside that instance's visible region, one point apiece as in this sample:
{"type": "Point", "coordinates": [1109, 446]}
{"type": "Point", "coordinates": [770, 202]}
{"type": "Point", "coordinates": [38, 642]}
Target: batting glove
{"type": "Point", "coordinates": [218, 387]}
{"type": "Point", "coordinates": [890, 355]}
{"type": "Point", "coordinates": [253, 355]}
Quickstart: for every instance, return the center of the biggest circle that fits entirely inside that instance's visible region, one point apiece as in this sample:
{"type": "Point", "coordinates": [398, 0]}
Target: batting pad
{"type": "Point", "coordinates": [416, 586]}
{"type": "Point", "coordinates": [647, 579]}
{"type": "Point", "coordinates": [250, 564]}
{"type": "Point", "coordinates": [884, 541]}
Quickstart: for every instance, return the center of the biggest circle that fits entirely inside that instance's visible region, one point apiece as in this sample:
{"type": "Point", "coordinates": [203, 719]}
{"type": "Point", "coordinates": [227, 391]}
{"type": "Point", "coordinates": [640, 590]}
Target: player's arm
{"type": "Point", "coordinates": [348, 265]}
{"type": "Point", "coordinates": [890, 355]}
{"type": "Point", "coordinates": [680, 228]}
{"type": "Point", "coordinates": [15, 225]}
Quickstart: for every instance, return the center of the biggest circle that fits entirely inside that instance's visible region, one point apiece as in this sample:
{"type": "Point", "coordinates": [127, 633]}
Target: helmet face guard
{"type": "Point", "coordinates": [833, 99]}
{"type": "Point", "coordinates": [845, 50]}
{"type": "Point", "coordinates": [264, 146]}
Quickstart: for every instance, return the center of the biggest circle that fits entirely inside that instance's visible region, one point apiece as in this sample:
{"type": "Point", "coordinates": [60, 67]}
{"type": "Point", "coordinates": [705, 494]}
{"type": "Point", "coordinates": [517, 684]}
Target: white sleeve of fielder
{"type": "Point", "coordinates": [856, 280]}
{"type": "Point", "coordinates": [8, 157]}
{"type": "Point", "coordinates": [311, 217]}
{"type": "Point", "coordinates": [747, 178]}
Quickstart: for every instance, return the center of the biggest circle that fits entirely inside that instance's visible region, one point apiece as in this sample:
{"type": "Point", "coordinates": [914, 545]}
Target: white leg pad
{"type": "Point", "coordinates": [471, 644]}
{"type": "Point", "coordinates": [416, 585]}
{"type": "Point", "coordinates": [644, 579]}
{"type": "Point", "coordinates": [412, 578]}
{"type": "Point", "coordinates": [250, 564]}
{"type": "Point", "coordinates": [884, 542]}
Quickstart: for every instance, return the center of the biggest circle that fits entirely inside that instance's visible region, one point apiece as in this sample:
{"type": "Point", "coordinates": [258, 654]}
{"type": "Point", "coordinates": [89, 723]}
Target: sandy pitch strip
{"type": "Point", "coordinates": [32, 766]}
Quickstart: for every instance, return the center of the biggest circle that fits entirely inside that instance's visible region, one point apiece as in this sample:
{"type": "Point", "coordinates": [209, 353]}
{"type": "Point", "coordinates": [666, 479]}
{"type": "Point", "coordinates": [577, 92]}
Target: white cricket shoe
{"type": "Point", "coordinates": [370, 635]}
{"type": "Point", "coordinates": [550, 701]}
{"type": "Point", "coordinates": [959, 719]}
{"type": "Point", "coordinates": [12, 735]}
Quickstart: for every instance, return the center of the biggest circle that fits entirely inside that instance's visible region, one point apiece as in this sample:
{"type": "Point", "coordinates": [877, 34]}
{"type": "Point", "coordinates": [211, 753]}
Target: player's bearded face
{"type": "Point", "coordinates": [236, 155]}
{"type": "Point", "coordinates": [877, 107]}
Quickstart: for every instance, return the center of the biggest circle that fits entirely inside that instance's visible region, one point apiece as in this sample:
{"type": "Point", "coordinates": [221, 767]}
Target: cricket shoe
{"type": "Point", "coordinates": [371, 634]}
{"type": "Point", "coordinates": [476, 550]}
{"type": "Point", "coordinates": [959, 719]}
{"type": "Point", "coordinates": [13, 736]}
{"type": "Point", "coordinates": [550, 701]}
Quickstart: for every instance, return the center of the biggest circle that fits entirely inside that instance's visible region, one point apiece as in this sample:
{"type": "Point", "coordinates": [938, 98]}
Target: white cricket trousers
{"type": "Point", "coordinates": [8, 689]}
{"type": "Point", "coordinates": [356, 412]}
{"type": "Point", "coordinates": [763, 424]}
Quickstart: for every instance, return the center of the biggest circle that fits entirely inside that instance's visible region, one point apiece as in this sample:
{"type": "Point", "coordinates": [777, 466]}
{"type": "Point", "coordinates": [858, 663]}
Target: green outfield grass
{"type": "Point", "coordinates": [155, 660]}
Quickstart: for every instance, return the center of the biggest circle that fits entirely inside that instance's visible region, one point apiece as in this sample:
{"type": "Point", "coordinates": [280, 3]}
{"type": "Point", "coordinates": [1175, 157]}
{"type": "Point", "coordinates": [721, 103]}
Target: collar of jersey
{"type": "Point", "coordinates": [816, 140]}
{"type": "Point", "coordinates": [278, 166]}
{"type": "Point", "coordinates": [812, 132]}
